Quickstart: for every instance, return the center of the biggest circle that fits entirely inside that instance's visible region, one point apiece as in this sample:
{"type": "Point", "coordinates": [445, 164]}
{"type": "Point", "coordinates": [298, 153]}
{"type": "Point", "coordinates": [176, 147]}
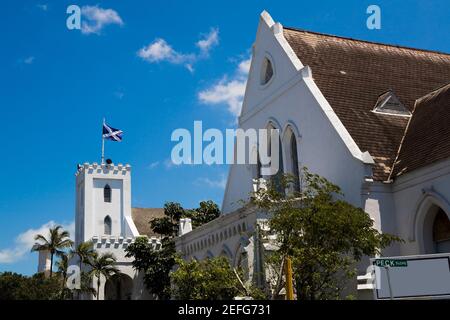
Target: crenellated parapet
{"type": "Point", "coordinates": [103, 168]}
{"type": "Point", "coordinates": [114, 242]}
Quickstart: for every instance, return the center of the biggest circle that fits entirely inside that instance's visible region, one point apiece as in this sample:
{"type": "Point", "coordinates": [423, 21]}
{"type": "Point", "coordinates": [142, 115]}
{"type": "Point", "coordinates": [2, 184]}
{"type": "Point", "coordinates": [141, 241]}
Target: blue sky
{"type": "Point", "coordinates": [149, 67]}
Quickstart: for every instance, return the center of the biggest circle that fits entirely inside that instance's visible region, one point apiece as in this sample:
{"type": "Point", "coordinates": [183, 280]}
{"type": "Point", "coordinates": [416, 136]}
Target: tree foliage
{"type": "Point", "coordinates": [206, 212]}
{"type": "Point", "coordinates": [209, 279]}
{"type": "Point", "coordinates": [57, 241]}
{"type": "Point", "coordinates": [323, 234]}
{"type": "Point", "coordinates": [157, 265]}
{"type": "Point", "coordinates": [15, 286]}
{"type": "Point", "coordinates": [102, 265]}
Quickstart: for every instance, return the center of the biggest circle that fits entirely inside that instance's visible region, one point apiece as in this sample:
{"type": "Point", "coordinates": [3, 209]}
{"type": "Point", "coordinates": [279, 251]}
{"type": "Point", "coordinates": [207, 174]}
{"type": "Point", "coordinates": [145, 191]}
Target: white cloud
{"type": "Point", "coordinates": [209, 41]}
{"type": "Point", "coordinates": [94, 19]}
{"type": "Point", "coordinates": [169, 164]}
{"type": "Point", "coordinates": [244, 66]}
{"type": "Point", "coordinates": [153, 165]}
{"type": "Point", "coordinates": [119, 94]}
{"type": "Point", "coordinates": [43, 7]}
{"type": "Point", "coordinates": [28, 60]}
{"type": "Point", "coordinates": [161, 51]}
{"type": "Point", "coordinates": [228, 91]}
{"type": "Point", "coordinates": [25, 241]}
{"type": "Point", "coordinates": [219, 183]}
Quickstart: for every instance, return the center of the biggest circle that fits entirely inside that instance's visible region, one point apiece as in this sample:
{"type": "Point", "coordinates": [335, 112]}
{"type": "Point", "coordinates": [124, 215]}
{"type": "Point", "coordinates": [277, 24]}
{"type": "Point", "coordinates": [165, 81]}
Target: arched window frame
{"type": "Point", "coordinates": [107, 193]}
{"type": "Point", "coordinates": [291, 139]}
{"type": "Point", "coordinates": [107, 225]}
{"type": "Point", "coordinates": [276, 178]}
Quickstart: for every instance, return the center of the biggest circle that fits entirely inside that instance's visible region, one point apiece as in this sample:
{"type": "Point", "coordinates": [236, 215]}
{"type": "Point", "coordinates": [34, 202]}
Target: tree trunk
{"type": "Point", "coordinates": [63, 287]}
{"type": "Point", "coordinates": [98, 288]}
{"type": "Point", "coordinates": [51, 263]}
{"type": "Point", "coordinates": [81, 279]}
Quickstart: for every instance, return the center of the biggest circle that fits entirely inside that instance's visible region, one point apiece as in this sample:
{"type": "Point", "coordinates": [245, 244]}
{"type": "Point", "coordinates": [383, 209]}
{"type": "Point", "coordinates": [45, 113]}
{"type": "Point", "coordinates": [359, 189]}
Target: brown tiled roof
{"type": "Point", "coordinates": [143, 216]}
{"type": "Point", "coordinates": [352, 74]}
{"type": "Point", "coordinates": [427, 137]}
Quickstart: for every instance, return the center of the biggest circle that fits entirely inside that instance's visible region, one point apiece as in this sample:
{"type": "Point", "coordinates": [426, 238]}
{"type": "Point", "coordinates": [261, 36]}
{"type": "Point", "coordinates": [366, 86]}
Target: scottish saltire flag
{"type": "Point", "coordinates": [111, 133]}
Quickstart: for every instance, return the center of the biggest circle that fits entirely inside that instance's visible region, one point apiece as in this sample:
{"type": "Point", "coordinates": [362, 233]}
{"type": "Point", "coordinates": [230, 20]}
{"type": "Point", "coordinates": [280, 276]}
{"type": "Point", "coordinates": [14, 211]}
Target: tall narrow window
{"type": "Point", "coordinates": [108, 225]}
{"type": "Point", "coordinates": [280, 174]}
{"type": "Point", "coordinates": [294, 161]}
{"type": "Point", "coordinates": [277, 178]}
{"type": "Point", "coordinates": [107, 193]}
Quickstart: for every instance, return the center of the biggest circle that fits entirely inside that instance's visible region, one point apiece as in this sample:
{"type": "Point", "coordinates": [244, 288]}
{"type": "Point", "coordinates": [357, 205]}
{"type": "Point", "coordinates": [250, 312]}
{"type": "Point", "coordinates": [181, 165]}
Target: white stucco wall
{"type": "Point", "coordinates": [414, 193]}
{"type": "Point", "coordinates": [91, 208]}
{"type": "Point", "coordinates": [292, 98]}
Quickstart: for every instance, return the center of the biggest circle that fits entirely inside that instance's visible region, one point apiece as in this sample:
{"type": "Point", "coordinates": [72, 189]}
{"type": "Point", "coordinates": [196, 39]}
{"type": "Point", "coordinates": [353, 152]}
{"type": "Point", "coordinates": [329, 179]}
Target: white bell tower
{"type": "Point", "coordinates": [103, 202]}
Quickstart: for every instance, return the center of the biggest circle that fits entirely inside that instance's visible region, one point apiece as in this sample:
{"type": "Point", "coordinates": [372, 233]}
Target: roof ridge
{"type": "Point", "coordinates": [416, 103]}
{"type": "Point", "coordinates": [367, 41]}
{"type": "Point", "coordinates": [433, 92]}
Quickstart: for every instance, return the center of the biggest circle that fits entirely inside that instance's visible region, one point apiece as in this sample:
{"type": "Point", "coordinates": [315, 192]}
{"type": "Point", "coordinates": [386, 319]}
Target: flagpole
{"type": "Point", "coordinates": [103, 144]}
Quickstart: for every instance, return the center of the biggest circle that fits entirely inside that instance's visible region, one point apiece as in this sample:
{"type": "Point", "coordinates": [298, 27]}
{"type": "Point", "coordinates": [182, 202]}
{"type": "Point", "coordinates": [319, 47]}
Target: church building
{"type": "Point", "coordinates": [372, 118]}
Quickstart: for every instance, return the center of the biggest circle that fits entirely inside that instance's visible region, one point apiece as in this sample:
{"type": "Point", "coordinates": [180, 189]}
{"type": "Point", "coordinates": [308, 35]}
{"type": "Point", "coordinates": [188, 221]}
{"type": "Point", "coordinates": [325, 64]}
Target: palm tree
{"type": "Point", "coordinates": [57, 241]}
{"type": "Point", "coordinates": [63, 264]}
{"type": "Point", "coordinates": [103, 265]}
{"type": "Point", "coordinates": [85, 251]}
{"type": "Point", "coordinates": [85, 285]}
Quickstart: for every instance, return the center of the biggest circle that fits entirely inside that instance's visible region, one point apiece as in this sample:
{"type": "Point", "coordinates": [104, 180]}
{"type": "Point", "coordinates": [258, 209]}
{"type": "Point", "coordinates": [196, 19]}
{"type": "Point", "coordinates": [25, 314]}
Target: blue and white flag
{"type": "Point", "coordinates": [111, 133]}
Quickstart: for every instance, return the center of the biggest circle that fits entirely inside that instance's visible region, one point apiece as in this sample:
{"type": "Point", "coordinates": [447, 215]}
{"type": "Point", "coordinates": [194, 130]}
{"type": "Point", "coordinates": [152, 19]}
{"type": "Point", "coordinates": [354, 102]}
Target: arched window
{"type": "Point", "coordinates": [108, 225]}
{"type": "Point", "coordinates": [294, 163]}
{"type": "Point", "coordinates": [107, 193]}
{"type": "Point", "coordinates": [441, 232]}
{"type": "Point", "coordinates": [277, 178]}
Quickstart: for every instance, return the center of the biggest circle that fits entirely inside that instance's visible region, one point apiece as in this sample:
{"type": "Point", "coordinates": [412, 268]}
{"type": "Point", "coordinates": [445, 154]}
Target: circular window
{"type": "Point", "coordinates": [266, 71]}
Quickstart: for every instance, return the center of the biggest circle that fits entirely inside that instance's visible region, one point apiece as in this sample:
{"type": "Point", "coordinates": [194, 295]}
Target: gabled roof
{"type": "Point", "coordinates": [427, 138]}
{"type": "Point", "coordinates": [142, 217]}
{"type": "Point", "coordinates": [352, 74]}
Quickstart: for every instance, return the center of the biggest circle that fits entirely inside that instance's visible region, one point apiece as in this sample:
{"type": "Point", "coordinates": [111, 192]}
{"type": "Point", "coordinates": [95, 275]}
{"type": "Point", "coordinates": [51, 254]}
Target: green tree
{"type": "Point", "coordinates": [14, 286]}
{"type": "Point", "coordinates": [323, 234]}
{"type": "Point", "coordinates": [209, 279]}
{"type": "Point", "coordinates": [207, 212]}
{"type": "Point", "coordinates": [102, 265]}
{"type": "Point", "coordinates": [57, 242]}
{"type": "Point", "coordinates": [85, 285]}
{"type": "Point", "coordinates": [9, 284]}
{"type": "Point", "coordinates": [63, 265]}
{"type": "Point", "coordinates": [157, 265]}
{"type": "Point", "coordinates": [84, 251]}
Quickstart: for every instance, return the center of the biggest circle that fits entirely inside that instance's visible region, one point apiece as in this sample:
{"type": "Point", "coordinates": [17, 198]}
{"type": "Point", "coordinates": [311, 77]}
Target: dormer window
{"type": "Point", "coordinates": [389, 103]}
{"type": "Point", "coordinates": [266, 71]}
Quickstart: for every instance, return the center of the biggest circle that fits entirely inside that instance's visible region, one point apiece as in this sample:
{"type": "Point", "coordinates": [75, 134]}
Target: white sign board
{"type": "Point", "coordinates": [408, 277]}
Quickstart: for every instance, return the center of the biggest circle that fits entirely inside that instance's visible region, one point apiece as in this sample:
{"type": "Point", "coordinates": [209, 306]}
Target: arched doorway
{"type": "Point", "coordinates": [436, 231]}
{"type": "Point", "coordinates": [441, 232]}
{"type": "Point", "coordinates": [119, 287]}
